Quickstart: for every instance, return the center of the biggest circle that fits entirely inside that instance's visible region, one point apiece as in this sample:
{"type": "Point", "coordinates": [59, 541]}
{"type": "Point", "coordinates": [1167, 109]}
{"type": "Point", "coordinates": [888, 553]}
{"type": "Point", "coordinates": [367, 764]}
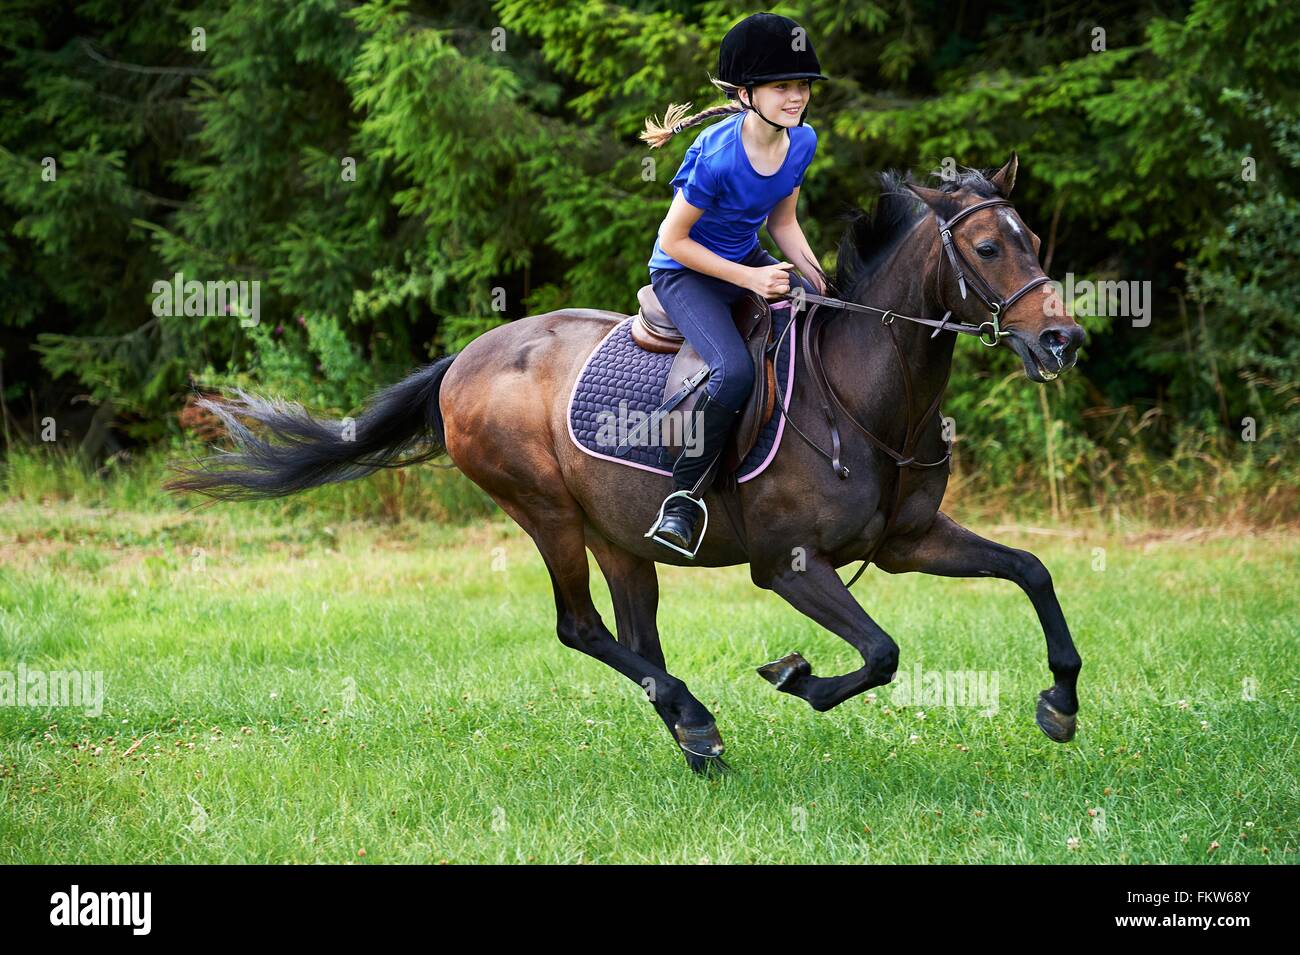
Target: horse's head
{"type": "Point", "coordinates": [989, 273]}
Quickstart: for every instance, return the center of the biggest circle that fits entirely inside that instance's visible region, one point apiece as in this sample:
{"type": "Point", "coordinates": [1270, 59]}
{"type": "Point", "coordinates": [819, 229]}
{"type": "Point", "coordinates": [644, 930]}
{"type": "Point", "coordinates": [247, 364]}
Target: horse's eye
{"type": "Point", "coordinates": [987, 250]}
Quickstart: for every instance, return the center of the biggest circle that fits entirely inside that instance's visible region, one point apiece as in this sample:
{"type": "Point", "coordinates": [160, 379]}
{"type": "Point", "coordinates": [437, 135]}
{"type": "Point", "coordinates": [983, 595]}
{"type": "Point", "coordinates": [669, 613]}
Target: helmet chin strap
{"type": "Point", "coordinates": [751, 105]}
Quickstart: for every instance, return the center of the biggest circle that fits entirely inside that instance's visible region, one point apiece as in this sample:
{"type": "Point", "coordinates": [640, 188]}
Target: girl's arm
{"type": "Point", "coordinates": [675, 239]}
{"type": "Point", "coordinates": [783, 227]}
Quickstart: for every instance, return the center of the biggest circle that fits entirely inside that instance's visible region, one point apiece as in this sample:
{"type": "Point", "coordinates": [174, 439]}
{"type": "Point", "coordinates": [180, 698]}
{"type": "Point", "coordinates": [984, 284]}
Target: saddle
{"type": "Point", "coordinates": [654, 331]}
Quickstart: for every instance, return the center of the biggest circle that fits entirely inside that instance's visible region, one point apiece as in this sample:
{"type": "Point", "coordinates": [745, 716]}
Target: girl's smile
{"type": "Point", "coordinates": [774, 99]}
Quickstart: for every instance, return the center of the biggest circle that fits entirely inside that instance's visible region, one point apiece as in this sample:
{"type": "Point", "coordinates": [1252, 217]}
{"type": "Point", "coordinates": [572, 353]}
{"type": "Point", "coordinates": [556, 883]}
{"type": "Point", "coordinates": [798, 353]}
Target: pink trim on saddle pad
{"type": "Point", "coordinates": [780, 427]}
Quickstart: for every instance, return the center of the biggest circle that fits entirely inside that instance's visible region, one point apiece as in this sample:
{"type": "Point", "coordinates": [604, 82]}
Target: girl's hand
{"type": "Point", "coordinates": [770, 281]}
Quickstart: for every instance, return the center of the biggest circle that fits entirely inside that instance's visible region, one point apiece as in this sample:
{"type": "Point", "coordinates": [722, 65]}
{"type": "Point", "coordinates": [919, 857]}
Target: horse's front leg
{"type": "Point", "coordinates": [949, 550]}
{"type": "Point", "coordinates": [817, 591]}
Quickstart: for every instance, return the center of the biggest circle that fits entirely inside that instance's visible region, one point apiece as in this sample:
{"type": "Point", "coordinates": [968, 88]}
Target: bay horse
{"type": "Point", "coordinates": [498, 409]}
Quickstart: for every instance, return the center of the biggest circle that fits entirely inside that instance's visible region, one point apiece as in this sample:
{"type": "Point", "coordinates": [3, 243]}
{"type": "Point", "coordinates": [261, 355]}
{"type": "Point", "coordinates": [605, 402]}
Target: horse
{"type": "Point", "coordinates": [497, 409]}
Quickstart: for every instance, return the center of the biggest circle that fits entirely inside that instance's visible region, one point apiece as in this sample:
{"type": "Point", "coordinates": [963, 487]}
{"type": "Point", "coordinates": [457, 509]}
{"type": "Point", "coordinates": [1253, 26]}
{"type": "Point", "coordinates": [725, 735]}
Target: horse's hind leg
{"type": "Point", "coordinates": [556, 526]}
{"type": "Point", "coordinates": [949, 550]}
{"type": "Point", "coordinates": [817, 592]}
{"type": "Point", "coordinates": [634, 591]}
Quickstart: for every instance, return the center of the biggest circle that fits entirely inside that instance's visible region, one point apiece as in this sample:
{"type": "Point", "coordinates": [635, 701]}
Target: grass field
{"type": "Point", "coordinates": [293, 692]}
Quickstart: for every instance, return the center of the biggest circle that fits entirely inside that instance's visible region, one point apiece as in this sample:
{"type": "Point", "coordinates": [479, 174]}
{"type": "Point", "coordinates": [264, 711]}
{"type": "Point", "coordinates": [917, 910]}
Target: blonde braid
{"type": "Point", "coordinates": [657, 133]}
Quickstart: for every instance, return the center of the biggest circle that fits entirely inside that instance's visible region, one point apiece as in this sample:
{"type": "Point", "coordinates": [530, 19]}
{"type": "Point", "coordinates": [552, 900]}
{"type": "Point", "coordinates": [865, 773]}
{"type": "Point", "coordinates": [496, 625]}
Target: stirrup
{"type": "Point", "coordinates": [660, 519]}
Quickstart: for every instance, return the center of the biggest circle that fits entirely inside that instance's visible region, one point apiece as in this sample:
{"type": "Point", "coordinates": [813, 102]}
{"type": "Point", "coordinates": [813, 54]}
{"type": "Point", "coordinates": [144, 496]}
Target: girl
{"type": "Point", "coordinates": [737, 174]}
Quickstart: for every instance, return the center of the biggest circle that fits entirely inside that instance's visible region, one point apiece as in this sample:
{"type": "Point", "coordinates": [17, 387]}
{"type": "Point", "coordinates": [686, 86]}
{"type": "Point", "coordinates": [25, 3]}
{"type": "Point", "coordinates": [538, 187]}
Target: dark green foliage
{"type": "Point", "coordinates": [498, 174]}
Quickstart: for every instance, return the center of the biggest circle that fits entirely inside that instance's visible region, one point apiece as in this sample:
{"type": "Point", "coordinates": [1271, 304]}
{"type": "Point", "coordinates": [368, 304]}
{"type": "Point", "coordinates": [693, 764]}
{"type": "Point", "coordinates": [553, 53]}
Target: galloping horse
{"type": "Point", "coordinates": [498, 408]}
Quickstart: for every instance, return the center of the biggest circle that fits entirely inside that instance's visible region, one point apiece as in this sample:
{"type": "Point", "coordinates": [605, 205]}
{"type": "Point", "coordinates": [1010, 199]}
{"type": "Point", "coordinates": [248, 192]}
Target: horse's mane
{"type": "Point", "coordinates": [871, 235]}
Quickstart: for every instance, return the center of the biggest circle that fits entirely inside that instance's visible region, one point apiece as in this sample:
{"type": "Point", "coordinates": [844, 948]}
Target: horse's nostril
{"type": "Point", "coordinates": [1058, 340]}
{"type": "Point", "coordinates": [1060, 343]}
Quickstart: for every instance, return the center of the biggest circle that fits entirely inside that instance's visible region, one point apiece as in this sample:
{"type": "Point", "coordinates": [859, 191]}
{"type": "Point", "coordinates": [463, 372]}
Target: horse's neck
{"type": "Point", "coordinates": [860, 360]}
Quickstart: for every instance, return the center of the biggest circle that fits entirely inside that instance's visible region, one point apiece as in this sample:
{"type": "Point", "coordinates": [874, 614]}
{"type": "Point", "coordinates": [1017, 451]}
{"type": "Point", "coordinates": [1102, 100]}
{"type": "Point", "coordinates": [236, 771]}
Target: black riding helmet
{"type": "Point", "coordinates": [761, 49]}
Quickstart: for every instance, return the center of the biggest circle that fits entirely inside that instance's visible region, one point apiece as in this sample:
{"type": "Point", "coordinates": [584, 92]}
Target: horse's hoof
{"type": "Point", "coordinates": [702, 741]}
{"type": "Point", "coordinates": [784, 672]}
{"type": "Point", "coordinates": [1058, 726]}
{"type": "Point", "coordinates": [707, 766]}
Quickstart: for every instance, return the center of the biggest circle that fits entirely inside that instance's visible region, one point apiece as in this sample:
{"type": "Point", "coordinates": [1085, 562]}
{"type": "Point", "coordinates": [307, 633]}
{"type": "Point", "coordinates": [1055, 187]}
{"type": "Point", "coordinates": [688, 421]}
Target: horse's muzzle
{"type": "Point", "coordinates": [1055, 350]}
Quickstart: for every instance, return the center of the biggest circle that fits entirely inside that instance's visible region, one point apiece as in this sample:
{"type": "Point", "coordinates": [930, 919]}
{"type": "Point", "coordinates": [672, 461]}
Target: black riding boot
{"type": "Point", "coordinates": [694, 475]}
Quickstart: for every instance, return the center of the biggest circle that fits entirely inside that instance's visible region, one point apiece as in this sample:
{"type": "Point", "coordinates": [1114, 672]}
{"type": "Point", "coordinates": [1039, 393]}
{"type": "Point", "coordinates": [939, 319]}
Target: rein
{"type": "Point", "coordinates": [989, 333]}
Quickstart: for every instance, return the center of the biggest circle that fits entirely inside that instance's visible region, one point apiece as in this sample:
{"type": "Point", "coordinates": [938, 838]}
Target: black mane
{"type": "Point", "coordinates": [872, 235]}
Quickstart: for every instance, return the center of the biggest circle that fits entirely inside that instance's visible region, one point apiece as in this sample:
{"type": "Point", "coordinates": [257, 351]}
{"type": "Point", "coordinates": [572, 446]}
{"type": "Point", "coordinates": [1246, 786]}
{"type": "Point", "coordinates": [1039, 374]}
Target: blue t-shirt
{"type": "Point", "coordinates": [717, 176]}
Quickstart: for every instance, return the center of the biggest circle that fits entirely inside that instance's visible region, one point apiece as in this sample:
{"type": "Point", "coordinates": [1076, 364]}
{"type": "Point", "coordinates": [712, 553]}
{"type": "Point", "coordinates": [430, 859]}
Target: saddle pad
{"type": "Point", "coordinates": [619, 370]}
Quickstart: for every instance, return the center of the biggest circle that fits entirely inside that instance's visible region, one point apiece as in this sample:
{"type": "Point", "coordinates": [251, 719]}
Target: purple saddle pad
{"type": "Point", "coordinates": [621, 384]}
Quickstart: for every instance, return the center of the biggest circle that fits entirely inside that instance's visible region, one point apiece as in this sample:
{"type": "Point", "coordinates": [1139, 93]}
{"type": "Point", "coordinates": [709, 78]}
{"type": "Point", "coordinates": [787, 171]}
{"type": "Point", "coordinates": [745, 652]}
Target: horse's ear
{"type": "Point", "coordinates": [1005, 178]}
{"type": "Point", "coordinates": [942, 203]}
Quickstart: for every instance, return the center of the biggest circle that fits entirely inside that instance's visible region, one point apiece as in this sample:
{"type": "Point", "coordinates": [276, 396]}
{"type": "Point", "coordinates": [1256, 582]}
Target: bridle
{"type": "Point", "coordinates": [983, 291]}
{"type": "Point", "coordinates": [989, 333]}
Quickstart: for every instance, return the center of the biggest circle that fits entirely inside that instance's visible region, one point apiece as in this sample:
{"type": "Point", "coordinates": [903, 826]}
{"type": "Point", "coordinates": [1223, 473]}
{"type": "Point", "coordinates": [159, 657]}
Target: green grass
{"type": "Point", "coordinates": [306, 690]}
{"type": "Point", "coordinates": [133, 482]}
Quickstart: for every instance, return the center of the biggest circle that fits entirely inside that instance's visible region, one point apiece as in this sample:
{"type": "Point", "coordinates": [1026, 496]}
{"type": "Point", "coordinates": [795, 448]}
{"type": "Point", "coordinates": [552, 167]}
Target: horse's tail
{"type": "Point", "coordinates": [400, 425]}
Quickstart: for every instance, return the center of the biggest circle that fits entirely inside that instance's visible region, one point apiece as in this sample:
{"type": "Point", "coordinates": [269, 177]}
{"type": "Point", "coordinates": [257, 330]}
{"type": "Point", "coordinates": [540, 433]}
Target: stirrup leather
{"type": "Point", "coordinates": [660, 519]}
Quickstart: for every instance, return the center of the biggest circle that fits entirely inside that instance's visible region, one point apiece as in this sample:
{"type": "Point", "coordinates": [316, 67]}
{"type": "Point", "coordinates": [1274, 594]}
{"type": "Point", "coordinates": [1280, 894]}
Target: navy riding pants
{"type": "Point", "coordinates": [700, 306]}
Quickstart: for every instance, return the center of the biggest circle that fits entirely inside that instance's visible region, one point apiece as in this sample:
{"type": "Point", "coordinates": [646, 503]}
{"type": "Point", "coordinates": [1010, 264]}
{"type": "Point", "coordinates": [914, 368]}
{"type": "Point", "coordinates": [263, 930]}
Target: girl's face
{"type": "Point", "coordinates": [783, 101]}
